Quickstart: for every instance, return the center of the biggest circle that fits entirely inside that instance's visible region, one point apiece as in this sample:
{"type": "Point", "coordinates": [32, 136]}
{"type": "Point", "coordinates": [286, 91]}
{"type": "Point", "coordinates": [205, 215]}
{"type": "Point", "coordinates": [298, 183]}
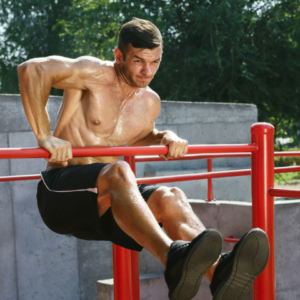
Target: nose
{"type": "Point", "coordinates": [146, 70]}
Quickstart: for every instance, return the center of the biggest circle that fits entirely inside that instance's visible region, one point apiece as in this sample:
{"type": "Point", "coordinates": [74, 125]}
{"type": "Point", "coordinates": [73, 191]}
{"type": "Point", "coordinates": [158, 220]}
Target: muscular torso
{"type": "Point", "coordinates": [103, 116]}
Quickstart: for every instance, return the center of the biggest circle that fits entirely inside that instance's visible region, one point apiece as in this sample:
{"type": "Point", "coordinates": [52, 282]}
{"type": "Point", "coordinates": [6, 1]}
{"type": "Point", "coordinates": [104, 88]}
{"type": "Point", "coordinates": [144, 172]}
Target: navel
{"type": "Point", "coordinates": [96, 122]}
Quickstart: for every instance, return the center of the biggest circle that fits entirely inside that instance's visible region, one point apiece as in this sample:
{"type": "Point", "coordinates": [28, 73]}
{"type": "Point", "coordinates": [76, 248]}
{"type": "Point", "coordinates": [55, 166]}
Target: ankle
{"type": "Point", "coordinates": [163, 256]}
{"type": "Point", "coordinates": [210, 272]}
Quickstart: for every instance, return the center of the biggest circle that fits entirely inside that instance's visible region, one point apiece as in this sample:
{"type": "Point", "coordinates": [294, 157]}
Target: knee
{"type": "Point", "coordinates": [171, 198]}
{"type": "Point", "coordinates": [111, 179]}
{"type": "Point", "coordinates": [115, 173]}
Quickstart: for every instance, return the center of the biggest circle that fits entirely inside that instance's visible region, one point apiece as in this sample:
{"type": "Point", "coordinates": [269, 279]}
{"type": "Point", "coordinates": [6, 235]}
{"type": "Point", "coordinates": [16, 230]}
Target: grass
{"type": "Point", "coordinates": [287, 161]}
{"type": "Point", "coordinates": [286, 177]}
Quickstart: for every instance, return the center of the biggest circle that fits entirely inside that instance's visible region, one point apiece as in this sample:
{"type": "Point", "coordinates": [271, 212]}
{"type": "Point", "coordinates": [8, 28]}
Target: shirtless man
{"type": "Point", "coordinates": [96, 198]}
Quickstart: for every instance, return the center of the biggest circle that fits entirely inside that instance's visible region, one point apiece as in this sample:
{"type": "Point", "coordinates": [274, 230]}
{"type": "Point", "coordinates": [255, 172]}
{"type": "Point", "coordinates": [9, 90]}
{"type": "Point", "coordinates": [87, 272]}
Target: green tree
{"type": "Point", "coordinates": [30, 32]}
{"type": "Point", "coordinates": [214, 50]}
{"type": "Point", "coordinates": [219, 50]}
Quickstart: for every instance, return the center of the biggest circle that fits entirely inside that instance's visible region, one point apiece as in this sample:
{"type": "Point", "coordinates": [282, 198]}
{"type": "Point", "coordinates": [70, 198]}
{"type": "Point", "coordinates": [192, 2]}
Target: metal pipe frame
{"type": "Point", "coordinates": [262, 135]}
{"type": "Point", "coordinates": [126, 273]}
{"type": "Point", "coordinates": [120, 151]}
{"type": "Point", "coordinates": [209, 181]}
{"type": "Point", "coordinates": [284, 193]}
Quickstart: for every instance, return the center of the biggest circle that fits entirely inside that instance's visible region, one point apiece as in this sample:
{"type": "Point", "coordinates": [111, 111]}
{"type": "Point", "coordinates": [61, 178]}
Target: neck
{"type": "Point", "coordinates": [124, 82]}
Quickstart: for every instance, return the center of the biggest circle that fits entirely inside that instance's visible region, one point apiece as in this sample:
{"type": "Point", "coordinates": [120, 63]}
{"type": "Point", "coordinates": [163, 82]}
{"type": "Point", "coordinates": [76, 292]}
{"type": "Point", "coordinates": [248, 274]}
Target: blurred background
{"type": "Point", "coordinates": [239, 51]}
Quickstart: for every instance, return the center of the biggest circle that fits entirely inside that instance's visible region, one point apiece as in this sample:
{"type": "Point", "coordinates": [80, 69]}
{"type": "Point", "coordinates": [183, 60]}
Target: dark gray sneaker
{"type": "Point", "coordinates": [236, 270]}
{"type": "Point", "coordinates": [187, 262]}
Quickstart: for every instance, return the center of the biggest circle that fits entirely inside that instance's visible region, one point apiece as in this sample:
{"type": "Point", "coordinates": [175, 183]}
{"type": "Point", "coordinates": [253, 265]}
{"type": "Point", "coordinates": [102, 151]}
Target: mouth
{"type": "Point", "coordinates": [144, 78]}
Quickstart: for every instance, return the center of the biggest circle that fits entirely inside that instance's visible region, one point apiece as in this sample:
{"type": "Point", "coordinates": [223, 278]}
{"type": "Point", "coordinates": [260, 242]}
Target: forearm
{"type": "Point", "coordinates": [154, 138]}
{"type": "Point", "coordinates": [35, 89]}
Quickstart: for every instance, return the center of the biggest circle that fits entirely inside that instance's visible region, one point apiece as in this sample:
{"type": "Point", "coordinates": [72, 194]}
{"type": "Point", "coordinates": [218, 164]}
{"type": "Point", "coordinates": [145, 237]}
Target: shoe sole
{"type": "Point", "coordinates": [201, 257]}
{"type": "Point", "coordinates": [250, 259]}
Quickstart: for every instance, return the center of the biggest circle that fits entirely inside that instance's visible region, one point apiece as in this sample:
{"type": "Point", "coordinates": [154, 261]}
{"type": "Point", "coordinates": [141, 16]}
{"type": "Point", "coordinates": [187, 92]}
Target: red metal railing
{"type": "Point", "coordinates": [126, 274]}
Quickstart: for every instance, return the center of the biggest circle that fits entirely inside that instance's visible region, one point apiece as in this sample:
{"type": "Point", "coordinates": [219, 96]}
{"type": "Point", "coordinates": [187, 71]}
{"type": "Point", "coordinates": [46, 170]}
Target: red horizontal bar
{"type": "Point", "coordinates": [287, 169]}
{"type": "Point", "coordinates": [231, 239]}
{"type": "Point", "coordinates": [287, 153]}
{"type": "Point", "coordinates": [284, 193]}
{"type": "Point", "coordinates": [207, 156]}
{"type": "Point", "coordinates": [191, 157]}
{"type": "Point", "coordinates": [82, 152]}
{"type": "Point", "coordinates": [175, 178]}
{"type": "Point", "coordinates": [11, 153]}
{"type": "Point", "coordinates": [153, 179]}
{"type": "Point", "coordinates": [20, 177]}
{"type": "Point", "coordinates": [221, 174]}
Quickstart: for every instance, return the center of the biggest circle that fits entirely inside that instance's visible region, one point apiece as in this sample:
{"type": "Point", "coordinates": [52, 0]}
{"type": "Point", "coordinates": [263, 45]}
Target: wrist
{"type": "Point", "coordinates": [41, 137]}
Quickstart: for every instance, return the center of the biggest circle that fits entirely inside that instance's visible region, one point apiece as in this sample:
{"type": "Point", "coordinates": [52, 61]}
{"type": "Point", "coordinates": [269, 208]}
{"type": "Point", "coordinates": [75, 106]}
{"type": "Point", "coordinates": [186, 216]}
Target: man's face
{"type": "Point", "coordinates": [140, 65]}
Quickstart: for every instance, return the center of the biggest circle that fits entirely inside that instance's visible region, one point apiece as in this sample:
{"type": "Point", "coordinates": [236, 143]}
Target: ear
{"type": "Point", "coordinates": [118, 55]}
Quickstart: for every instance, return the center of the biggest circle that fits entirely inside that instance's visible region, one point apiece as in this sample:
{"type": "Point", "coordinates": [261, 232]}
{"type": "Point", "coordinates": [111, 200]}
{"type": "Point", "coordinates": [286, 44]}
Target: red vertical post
{"type": "Point", "coordinates": [209, 181]}
{"type": "Point", "coordinates": [122, 273]}
{"type": "Point", "coordinates": [126, 265]}
{"type": "Point", "coordinates": [135, 272]}
{"type": "Point", "coordinates": [262, 134]}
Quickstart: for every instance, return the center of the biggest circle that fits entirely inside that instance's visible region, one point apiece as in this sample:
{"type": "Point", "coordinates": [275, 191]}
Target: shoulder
{"type": "Point", "coordinates": [152, 96]}
{"type": "Point", "coordinates": [95, 67]}
{"type": "Point", "coordinates": [154, 102]}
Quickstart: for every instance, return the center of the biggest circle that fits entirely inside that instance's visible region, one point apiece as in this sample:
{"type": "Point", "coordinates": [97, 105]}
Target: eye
{"type": "Point", "coordinates": [138, 61]}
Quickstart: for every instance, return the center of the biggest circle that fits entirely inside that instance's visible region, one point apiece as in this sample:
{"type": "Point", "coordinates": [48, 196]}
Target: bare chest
{"type": "Point", "coordinates": [116, 120]}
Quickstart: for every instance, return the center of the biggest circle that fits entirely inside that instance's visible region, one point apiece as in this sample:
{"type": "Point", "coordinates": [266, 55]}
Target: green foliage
{"type": "Point", "coordinates": [242, 51]}
{"type": "Point", "coordinates": [29, 33]}
{"type": "Point", "coordinates": [286, 177]}
{"type": "Point", "coordinates": [285, 162]}
{"type": "Point", "coordinates": [214, 51]}
{"type": "Point", "coordinates": [94, 25]}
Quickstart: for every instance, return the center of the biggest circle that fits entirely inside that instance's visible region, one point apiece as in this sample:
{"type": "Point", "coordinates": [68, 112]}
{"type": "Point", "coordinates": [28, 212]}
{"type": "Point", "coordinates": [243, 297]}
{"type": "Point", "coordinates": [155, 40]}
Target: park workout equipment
{"type": "Point", "coordinates": [261, 151]}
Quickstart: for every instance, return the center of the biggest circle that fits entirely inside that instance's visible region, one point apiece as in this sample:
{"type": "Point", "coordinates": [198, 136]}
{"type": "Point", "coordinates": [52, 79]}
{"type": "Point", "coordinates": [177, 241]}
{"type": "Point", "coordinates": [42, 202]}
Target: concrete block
{"type": "Point", "coordinates": [217, 133]}
{"type": "Point", "coordinates": [154, 287]}
{"type": "Point", "coordinates": [176, 112]}
{"type": "Point", "coordinates": [94, 263]}
{"type": "Point", "coordinates": [47, 262]}
{"type": "Point", "coordinates": [287, 247]}
{"type": "Point", "coordinates": [105, 289]}
{"type": "Point", "coordinates": [25, 166]}
{"type": "Point", "coordinates": [149, 263]}
{"type": "Point", "coordinates": [8, 265]}
{"type": "Point", "coordinates": [13, 108]}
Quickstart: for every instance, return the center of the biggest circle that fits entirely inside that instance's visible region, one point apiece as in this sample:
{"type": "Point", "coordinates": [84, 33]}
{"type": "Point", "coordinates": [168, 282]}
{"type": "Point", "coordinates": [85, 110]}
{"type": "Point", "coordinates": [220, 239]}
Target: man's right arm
{"type": "Point", "coordinates": [37, 77]}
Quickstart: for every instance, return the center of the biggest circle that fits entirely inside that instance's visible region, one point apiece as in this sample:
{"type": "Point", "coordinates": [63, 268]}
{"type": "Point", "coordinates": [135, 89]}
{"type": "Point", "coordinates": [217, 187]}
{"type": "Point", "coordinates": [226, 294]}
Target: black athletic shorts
{"type": "Point", "coordinates": [67, 201]}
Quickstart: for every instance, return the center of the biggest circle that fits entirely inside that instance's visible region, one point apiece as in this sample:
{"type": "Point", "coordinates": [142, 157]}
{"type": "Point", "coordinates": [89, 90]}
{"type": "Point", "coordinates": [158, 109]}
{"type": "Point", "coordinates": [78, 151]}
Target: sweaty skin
{"type": "Point", "coordinates": [104, 104]}
{"type": "Point", "coordinates": [110, 104]}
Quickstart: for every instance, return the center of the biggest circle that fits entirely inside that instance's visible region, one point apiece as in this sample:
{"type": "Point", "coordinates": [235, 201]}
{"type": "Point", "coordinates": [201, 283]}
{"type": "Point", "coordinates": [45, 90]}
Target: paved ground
{"type": "Point", "coordinates": [290, 185]}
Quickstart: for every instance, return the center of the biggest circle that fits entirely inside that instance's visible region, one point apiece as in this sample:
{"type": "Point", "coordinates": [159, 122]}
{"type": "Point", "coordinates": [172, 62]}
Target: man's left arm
{"type": "Point", "coordinates": [178, 147]}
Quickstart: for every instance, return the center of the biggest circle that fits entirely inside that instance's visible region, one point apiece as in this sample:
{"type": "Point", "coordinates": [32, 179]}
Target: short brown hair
{"type": "Point", "coordinates": [140, 34]}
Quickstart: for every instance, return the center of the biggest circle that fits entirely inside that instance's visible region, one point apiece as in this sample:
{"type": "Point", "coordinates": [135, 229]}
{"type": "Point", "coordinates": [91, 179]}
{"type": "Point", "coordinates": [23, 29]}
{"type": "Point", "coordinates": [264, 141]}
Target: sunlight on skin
{"type": "Point", "coordinates": [139, 66]}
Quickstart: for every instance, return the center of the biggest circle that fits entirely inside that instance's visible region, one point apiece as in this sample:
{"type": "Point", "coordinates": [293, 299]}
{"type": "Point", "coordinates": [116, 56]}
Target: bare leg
{"type": "Point", "coordinates": [171, 208]}
{"type": "Point", "coordinates": [117, 188]}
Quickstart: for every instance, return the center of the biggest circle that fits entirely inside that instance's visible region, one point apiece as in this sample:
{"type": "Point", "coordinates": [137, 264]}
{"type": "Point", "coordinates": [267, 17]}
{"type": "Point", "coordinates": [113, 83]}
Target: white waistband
{"type": "Point", "coordinates": [93, 190]}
